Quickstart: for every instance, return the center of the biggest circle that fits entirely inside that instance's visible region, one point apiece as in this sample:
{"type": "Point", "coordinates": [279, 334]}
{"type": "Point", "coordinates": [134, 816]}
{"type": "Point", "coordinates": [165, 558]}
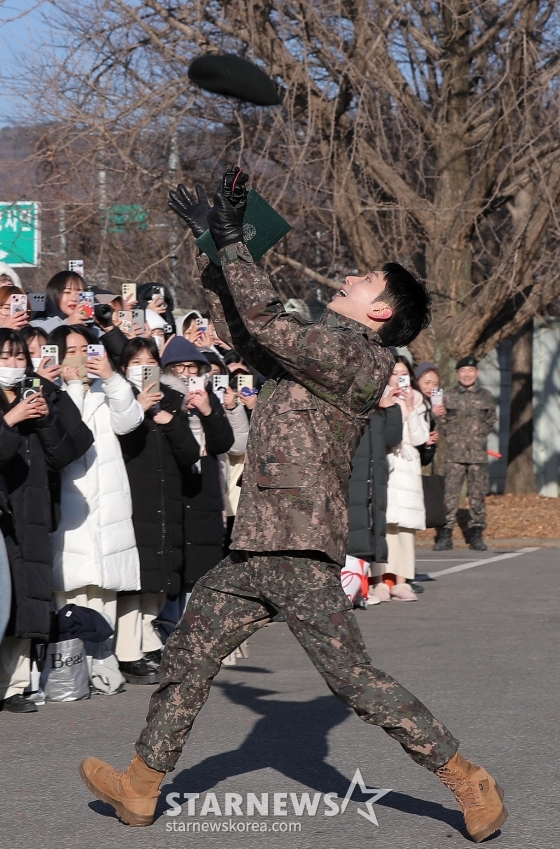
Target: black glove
{"type": "Point", "coordinates": [192, 211]}
{"type": "Point", "coordinates": [225, 219]}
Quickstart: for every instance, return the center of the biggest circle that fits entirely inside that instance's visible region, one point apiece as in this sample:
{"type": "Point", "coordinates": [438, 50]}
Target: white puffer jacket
{"type": "Point", "coordinates": [95, 543]}
{"type": "Point", "coordinates": [405, 496]}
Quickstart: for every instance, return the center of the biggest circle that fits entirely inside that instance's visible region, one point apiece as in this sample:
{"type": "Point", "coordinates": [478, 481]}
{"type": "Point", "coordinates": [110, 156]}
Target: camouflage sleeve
{"type": "Point", "coordinates": [491, 417]}
{"type": "Point", "coordinates": [227, 321]}
{"type": "Point", "coordinates": [312, 353]}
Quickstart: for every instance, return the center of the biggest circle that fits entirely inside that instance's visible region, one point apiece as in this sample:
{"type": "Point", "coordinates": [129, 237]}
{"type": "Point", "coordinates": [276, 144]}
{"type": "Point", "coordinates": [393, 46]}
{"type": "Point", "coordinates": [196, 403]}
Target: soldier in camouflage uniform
{"type": "Point", "coordinates": [290, 533]}
{"type": "Point", "coordinates": [469, 418]}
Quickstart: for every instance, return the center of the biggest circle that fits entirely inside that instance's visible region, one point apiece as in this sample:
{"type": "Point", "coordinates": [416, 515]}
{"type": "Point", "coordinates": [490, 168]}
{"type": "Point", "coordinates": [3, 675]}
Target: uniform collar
{"type": "Point", "coordinates": [330, 318]}
{"type": "Point", "coordinates": [473, 388]}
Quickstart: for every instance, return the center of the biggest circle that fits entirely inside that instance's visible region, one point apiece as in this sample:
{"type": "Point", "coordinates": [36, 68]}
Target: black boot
{"type": "Point", "coordinates": [476, 541]}
{"type": "Point", "coordinates": [445, 541]}
{"type": "Point", "coordinates": [139, 671]}
{"type": "Point", "coordinates": [154, 656]}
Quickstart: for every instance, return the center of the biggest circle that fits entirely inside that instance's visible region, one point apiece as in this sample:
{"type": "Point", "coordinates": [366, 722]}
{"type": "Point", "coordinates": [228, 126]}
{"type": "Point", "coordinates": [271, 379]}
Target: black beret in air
{"type": "Point", "coordinates": [233, 76]}
{"type": "Point", "coordinates": [467, 361]}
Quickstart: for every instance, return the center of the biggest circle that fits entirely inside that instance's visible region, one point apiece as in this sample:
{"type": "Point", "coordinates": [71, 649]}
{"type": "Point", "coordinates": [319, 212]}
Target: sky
{"type": "Point", "coordinates": [22, 28]}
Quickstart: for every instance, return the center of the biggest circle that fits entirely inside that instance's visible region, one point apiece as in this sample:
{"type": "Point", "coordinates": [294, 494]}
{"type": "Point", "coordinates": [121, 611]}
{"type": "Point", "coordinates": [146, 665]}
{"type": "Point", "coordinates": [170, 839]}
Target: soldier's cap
{"type": "Point", "coordinates": [467, 361]}
{"type": "Point", "coordinates": [232, 76]}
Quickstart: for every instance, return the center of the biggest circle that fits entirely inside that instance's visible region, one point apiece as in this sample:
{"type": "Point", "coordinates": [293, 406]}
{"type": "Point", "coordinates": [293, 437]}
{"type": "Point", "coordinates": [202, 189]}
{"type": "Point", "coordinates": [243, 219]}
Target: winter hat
{"type": "Point", "coordinates": [179, 322]}
{"type": "Point", "coordinates": [8, 271]}
{"type": "Point", "coordinates": [423, 368]}
{"type": "Point", "coordinates": [155, 320]}
{"type": "Point", "coordinates": [180, 350]}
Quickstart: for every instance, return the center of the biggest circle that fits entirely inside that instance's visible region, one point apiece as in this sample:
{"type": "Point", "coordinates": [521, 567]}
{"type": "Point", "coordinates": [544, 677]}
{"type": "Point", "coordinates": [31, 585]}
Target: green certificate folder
{"type": "Point", "coordinates": [263, 227]}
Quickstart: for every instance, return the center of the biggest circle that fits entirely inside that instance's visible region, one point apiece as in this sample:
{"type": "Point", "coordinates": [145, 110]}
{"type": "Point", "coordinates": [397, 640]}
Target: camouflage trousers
{"type": "Point", "coordinates": [478, 484]}
{"type": "Point", "coordinates": [237, 598]}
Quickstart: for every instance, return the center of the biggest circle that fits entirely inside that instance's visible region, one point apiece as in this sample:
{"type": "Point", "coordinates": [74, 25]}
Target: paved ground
{"type": "Point", "coordinates": [480, 648]}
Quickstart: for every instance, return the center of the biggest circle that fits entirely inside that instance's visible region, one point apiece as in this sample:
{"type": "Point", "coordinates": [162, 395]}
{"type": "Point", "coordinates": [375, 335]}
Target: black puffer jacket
{"type": "Point", "coordinates": [203, 496]}
{"type": "Point", "coordinates": [155, 457]}
{"type": "Point", "coordinates": [27, 452]}
{"type": "Point", "coordinates": [367, 506]}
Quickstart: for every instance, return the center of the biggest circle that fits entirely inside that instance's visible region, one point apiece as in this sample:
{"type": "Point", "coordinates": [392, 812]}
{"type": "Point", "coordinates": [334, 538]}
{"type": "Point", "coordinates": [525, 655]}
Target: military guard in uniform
{"type": "Point", "coordinates": [289, 539]}
{"type": "Point", "coordinates": [470, 415]}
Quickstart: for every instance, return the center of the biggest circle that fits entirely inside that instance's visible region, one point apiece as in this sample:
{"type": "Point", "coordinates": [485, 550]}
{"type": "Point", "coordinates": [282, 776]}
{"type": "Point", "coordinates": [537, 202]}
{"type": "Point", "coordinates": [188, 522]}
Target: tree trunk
{"type": "Point", "coordinates": [520, 470]}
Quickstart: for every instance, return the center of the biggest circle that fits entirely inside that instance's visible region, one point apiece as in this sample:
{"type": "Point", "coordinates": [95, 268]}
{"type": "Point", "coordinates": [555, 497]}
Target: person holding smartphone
{"type": "Point", "coordinates": [405, 498]}
{"type": "Point", "coordinates": [156, 454]}
{"type": "Point", "coordinates": [157, 297]}
{"type": "Point", "coordinates": [63, 304]}
{"type": "Point", "coordinates": [95, 554]}
{"type": "Point", "coordinates": [203, 487]}
{"type": "Point", "coordinates": [33, 443]}
{"type": "Point", "coordinates": [14, 320]}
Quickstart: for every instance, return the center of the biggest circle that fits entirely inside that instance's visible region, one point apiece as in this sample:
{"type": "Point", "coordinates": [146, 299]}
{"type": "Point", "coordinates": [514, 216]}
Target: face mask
{"type": "Point", "coordinates": [78, 361]}
{"type": "Point", "coordinates": [159, 342]}
{"type": "Point", "coordinates": [10, 377]}
{"type": "Point", "coordinates": [36, 362]}
{"type": "Point", "coordinates": [134, 376]}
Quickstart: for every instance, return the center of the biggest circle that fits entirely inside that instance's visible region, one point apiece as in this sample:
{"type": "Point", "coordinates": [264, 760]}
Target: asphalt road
{"type": "Point", "coordinates": [480, 647]}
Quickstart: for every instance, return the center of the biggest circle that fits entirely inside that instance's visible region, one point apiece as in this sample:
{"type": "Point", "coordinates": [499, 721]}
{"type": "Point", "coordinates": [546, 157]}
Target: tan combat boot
{"type": "Point", "coordinates": [478, 795]}
{"type": "Point", "coordinates": [133, 794]}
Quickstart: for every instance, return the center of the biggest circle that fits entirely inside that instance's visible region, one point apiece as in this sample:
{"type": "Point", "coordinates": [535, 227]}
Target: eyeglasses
{"type": "Point", "coordinates": [190, 368]}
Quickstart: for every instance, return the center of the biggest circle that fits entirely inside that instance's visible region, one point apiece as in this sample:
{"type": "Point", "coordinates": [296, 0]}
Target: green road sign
{"type": "Point", "coordinates": [119, 219]}
{"type": "Point", "coordinates": [20, 233]}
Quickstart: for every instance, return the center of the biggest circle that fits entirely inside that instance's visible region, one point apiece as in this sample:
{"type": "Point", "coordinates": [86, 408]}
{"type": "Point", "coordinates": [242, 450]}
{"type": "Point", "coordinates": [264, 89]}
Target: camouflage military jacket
{"type": "Point", "coordinates": [309, 416]}
{"type": "Point", "coordinates": [469, 418]}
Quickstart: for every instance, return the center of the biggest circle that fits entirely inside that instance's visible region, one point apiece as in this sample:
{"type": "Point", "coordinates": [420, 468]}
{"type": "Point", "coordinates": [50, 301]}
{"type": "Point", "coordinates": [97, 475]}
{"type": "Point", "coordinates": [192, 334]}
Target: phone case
{"type": "Point", "coordinates": [128, 289]}
{"type": "Point", "coordinates": [263, 227]}
{"type": "Point", "coordinates": [37, 302]}
{"type": "Point", "coordinates": [151, 374]}
{"type": "Point", "coordinates": [50, 351]}
{"type": "Point", "coordinates": [197, 384]}
{"type": "Point", "coordinates": [95, 351]}
{"type": "Point", "coordinates": [18, 303]}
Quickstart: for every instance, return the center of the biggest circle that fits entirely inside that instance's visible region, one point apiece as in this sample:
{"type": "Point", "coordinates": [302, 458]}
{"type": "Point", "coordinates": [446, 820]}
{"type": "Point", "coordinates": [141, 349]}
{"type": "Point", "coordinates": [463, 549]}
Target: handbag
{"type": "Point", "coordinates": [434, 499]}
{"type": "Point", "coordinates": [65, 677]}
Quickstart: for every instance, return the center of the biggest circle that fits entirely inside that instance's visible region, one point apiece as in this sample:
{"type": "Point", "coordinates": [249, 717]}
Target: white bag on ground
{"type": "Point", "coordinates": [65, 677]}
{"type": "Point", "coordinates": [106, 677]}
{"type": "Point", "coordinates": [352, 578]}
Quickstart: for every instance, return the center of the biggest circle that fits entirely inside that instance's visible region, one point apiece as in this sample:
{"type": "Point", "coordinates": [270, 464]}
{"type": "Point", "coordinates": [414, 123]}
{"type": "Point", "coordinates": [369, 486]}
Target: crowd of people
{"type": "Point", "coordinates": [123, 430]}
{"type": "Point", "coordinates": [121, 450]}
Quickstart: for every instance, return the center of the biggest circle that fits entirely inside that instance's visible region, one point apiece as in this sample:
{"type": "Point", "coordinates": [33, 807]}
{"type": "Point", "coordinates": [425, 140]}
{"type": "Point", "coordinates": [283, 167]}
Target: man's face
{"type": "Point", "coordinates": [356, 299]}
{"type": "Point", "coordinates": [467, 375]}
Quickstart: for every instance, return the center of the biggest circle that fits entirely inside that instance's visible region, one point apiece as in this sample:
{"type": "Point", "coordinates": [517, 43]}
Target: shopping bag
{"type": "Point", "coordinates": [65, 677]}
{"type": "Point", "coordinates": [354, 578]}
{"type": "Point", "coordinates": [434, 501]}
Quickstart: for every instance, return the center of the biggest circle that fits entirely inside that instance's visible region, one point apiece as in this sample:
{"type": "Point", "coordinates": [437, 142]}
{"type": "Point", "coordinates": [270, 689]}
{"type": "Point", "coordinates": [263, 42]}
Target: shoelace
{"type": "Point", "coordinates": [461, 788]}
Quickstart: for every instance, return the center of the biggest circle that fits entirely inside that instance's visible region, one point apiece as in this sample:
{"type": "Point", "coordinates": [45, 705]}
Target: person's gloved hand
{"type": "Point", "coordinates": [192, 211]}
{"type": "Point", "coordinates": [225, 219]}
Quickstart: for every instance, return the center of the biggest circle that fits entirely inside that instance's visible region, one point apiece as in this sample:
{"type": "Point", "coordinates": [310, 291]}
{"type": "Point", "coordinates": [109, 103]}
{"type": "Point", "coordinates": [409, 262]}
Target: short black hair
{"type": "Point", "coordinates": [411, 304]}
{"type": "Point", "coordinates": [134, 346]}
{"type": "Point", "coordinates": [61, 280]}
{"type": "Point", "coordinates": [60, 334]}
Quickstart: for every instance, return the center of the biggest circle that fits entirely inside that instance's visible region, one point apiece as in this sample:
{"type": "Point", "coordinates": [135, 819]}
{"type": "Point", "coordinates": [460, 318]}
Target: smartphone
{"type": "Point", "coordinates": [18, 304]}
{"type": "Point", "coordinates": [86, 300]}
{"type": "Point", "coordinates": [244, 381]}
{"type": "Point", "coordinates": [437, 396]}
{"type": "Point", "coordinates": [220, 383]}
{"type": "Point", "coordinates": [197, 383]}
{"type": "Point", "coordinates": [95, 351]}
{"type": "Point", "coordinates": [37, 302]}
{"type": "Point", "coordinates": [157, 292]}
{"type": "Point", "coordinates": [168, 329]}
{"type": "Point", "coordinates": [128, 289]}
{"type": "Point", "coordinates": [404, 380]}
{"type": "Point", "coordinates": [76, 265]}
{"type": "Point", "coordinates": [29, 386]}
{"type": "Point", "coordinates": [150, 374]}
{"type": "Point", "coordinates": [138, 318]}
{"type": "Point", "coordinates": [50, 351]}
{"type": "Point", "coordinates": [125, 318]}
{"type": "Point", "coordinates": [202, 324]}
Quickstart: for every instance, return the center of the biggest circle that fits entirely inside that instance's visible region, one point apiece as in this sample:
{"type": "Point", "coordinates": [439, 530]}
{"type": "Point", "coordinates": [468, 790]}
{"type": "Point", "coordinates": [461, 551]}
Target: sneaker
{"type": "Point", "coordinates": [402, 592]}
{"type": "Point", "coordinates": [380, 591]}
{"type": "Point", "coordinates": [19, 704]}
{"type": "Point", "coordinates": [139, 671]}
